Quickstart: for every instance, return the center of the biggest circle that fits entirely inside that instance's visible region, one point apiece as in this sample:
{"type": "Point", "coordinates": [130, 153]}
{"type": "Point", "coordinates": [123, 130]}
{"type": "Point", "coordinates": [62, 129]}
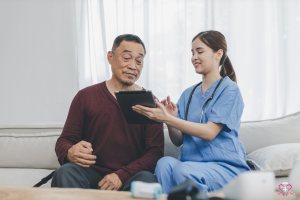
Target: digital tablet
{"type": "Point", "coordinates": [127, 99]}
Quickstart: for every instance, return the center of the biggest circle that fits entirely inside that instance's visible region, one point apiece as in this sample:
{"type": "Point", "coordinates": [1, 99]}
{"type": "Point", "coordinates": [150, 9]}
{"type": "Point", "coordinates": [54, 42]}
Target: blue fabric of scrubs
{"type": "Point", "coordinates": [211, 164]}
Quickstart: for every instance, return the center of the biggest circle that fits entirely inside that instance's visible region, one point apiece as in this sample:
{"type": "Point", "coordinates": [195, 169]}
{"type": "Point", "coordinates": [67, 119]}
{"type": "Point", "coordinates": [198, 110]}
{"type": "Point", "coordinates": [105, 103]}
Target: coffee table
{"type": "Point", "coordinates": [26, 193]}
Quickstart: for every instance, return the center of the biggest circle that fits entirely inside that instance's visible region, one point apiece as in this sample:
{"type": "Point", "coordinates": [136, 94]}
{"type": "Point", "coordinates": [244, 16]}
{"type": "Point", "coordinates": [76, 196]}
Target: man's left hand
{"type": "Point", "coordinates": [110, 182]}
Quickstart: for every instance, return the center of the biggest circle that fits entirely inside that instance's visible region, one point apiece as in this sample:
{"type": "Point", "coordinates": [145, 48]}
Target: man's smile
{"type": "Point", "coordinates": [130, 74]}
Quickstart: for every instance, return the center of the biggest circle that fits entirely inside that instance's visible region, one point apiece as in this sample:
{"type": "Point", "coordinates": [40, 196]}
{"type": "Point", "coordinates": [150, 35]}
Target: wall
{"type": "Point", "coordinates": [38, 77]}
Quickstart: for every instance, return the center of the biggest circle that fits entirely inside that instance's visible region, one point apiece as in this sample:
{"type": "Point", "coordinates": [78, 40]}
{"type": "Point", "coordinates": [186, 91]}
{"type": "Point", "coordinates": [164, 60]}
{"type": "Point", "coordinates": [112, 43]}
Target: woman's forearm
{"type": "Point", "coordinates": [176, 136]}
{"type": "Point", "coordinates": [204, 131]}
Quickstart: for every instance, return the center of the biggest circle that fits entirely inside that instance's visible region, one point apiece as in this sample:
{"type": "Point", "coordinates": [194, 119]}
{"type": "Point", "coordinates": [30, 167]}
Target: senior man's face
{"type": "Point", "coordinates": [127, 62]}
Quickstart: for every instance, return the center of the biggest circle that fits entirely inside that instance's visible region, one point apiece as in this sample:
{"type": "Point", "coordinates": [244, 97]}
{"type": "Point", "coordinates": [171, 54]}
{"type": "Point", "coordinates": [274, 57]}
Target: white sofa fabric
{"type": "Point", "coordinates": [258, 134]}
{"type": "Point", "coordinates": [25, 177]}
{"type": "Point", "coordinates": [278, 158]}
{"type": "Point", "coordinates": [27, 151]}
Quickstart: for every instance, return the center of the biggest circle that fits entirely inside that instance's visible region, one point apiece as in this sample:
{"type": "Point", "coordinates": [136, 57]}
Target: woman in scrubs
{"type": "Point", "coordinates": [211, 153]}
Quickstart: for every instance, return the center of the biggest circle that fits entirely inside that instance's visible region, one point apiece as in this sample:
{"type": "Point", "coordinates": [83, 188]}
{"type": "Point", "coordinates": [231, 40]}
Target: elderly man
{"type": "Point", "coordinates": [97, 148]}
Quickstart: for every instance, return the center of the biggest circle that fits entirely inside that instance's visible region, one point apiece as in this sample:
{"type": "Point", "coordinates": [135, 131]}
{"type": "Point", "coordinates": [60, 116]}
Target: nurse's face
{"type": "Point", "coordinates": [204, 58]}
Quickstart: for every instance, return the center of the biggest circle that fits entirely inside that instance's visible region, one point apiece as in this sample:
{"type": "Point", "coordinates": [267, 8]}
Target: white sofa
{"type": "Point", "coordinates": [27, 151]}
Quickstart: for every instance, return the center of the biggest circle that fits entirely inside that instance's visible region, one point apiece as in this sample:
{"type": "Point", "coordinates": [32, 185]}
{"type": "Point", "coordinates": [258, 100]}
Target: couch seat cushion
{"type": "Point", "coordinates": [23, 177]}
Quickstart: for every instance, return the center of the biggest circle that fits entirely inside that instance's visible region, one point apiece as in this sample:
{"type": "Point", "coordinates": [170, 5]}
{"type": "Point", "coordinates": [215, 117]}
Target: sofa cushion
{"type": "Point", "coordinates": [31, 128]}
{"type": "Point", "coordinates": [36, 150]}
{"type": "Point", "coordinates": [23, 177]}
{"type": "Point", "coordinates": [258, 134]}
{"type": "Point", "coordinates": [170, 148]}
{"type": "Point", "coordinates": [277, 158]}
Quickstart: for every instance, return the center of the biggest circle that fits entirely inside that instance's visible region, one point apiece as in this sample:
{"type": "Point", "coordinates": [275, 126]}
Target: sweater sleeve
{"type": "Point", "coordinates": [73, 129]}
{"type": "Point", "coordinates": [154, 150]}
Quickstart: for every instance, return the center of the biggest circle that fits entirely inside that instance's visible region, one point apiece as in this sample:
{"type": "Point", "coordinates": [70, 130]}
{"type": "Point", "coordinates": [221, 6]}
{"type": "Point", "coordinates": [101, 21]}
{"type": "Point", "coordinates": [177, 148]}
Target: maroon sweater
{"type": "Point", "coordinates": [96, 117]}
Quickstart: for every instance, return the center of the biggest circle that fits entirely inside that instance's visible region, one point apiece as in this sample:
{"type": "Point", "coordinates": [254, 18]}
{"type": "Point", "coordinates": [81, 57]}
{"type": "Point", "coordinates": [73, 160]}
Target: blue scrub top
{"type": "Point", "coordinates": [225, 108]}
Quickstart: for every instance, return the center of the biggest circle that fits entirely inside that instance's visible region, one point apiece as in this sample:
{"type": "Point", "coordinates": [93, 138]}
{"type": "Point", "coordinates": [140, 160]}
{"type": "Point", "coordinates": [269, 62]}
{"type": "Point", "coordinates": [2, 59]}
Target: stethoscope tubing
{"type": "Point", "coordinates": [206, 102]}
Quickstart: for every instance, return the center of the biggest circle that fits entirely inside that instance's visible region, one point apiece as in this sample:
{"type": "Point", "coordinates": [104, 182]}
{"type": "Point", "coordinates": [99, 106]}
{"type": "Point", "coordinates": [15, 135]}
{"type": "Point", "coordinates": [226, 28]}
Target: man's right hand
{"type": "Point", "coordinates": [81, 154]}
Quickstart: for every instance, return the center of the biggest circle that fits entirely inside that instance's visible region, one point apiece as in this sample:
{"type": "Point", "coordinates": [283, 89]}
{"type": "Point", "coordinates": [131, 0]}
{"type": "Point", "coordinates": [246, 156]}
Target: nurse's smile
{"type": "Point", "coordinates": [196, 64]}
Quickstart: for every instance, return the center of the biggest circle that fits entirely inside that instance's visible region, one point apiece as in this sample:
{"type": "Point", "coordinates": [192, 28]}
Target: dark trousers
{"type": "Point", "coordinates": [71, 175]}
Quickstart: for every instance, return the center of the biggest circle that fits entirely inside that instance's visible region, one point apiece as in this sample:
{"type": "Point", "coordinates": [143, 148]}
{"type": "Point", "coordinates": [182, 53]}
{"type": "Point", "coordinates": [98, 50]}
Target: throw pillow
{"type": "Point", "coordinates": [277, 158]}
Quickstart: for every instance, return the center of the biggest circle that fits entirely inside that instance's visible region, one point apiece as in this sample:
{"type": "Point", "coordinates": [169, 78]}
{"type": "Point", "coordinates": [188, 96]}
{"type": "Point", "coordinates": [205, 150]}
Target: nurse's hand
{"type": "Point", "coordinates": [159, 113]}
{"type": "Point", "coordinates": [170, 106]}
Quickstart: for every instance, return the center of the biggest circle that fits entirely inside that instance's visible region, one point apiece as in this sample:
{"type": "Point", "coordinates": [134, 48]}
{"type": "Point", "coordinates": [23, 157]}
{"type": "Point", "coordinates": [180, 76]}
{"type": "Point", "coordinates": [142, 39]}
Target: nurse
{"type": "Point", "coordinates": [205, 125]}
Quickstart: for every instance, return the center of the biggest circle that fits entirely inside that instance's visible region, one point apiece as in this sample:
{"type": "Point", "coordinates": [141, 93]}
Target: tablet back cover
{"type": "Point", "coordinates": [127, 99]}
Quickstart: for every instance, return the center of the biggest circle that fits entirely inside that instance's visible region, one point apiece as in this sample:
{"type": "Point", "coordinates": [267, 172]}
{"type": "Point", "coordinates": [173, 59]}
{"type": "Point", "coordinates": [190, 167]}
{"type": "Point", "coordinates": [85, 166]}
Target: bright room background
{"type": "Point", "coordinates": [263, 38]}
{"type": "Point", "coordinates": [50, 49]}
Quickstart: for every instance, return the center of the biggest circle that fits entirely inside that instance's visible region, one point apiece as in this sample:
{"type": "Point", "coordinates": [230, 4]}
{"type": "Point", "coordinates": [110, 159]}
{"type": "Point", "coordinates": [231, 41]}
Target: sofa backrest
{"type": "Point", "coordinates": [29, 146]}
{"type": "Point", "coordinates": [32, 146]}
{"type": "Point", "coordinates": [30, 128]}
{"type": "Point", "coordinates": [258, 134]}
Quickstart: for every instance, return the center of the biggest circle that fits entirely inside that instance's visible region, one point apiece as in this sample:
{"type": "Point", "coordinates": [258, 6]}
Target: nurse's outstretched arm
{"type": "Point", "coordinates": [204, 131]}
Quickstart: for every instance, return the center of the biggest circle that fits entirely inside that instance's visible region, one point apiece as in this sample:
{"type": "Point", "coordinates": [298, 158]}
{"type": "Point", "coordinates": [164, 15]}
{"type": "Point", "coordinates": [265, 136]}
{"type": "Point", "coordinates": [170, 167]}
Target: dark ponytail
{"type": "Point", "coordinates": [216, 41]}
{"type": "Point", "coordinates": [227, 69]}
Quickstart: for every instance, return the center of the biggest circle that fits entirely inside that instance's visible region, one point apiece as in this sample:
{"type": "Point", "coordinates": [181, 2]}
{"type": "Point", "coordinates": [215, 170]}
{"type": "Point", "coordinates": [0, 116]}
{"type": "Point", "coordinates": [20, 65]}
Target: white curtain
{"type": "Point", "coordinates": [263, 38]}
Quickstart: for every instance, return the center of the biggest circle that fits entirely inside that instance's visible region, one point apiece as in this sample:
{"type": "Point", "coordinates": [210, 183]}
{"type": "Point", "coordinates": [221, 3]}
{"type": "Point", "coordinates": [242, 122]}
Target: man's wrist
{"type": "Point", "coordinates": [123, 175]}
{"type": "Point", "coordinates": [66, 160]}
{"type": "Point", "coordinates": [68, 154]}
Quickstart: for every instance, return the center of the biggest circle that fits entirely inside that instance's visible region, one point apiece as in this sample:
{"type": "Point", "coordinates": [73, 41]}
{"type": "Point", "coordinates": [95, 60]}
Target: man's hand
{"type": "Point", "coordinates": [110, 182]}
{"type": "Point", "coordinates": [81, 154]}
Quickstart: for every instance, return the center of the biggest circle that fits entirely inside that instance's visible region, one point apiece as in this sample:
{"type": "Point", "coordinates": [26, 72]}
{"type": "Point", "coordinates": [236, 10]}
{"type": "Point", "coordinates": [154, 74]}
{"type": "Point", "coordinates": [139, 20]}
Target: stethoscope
{"type": "Point", "coordinates": [206, 102]}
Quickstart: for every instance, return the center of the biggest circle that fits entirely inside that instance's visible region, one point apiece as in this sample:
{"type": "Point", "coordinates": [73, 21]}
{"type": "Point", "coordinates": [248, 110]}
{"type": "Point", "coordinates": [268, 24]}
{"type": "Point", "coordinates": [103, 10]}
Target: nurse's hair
{"type": "Point", "coordinates": [216, 40]}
